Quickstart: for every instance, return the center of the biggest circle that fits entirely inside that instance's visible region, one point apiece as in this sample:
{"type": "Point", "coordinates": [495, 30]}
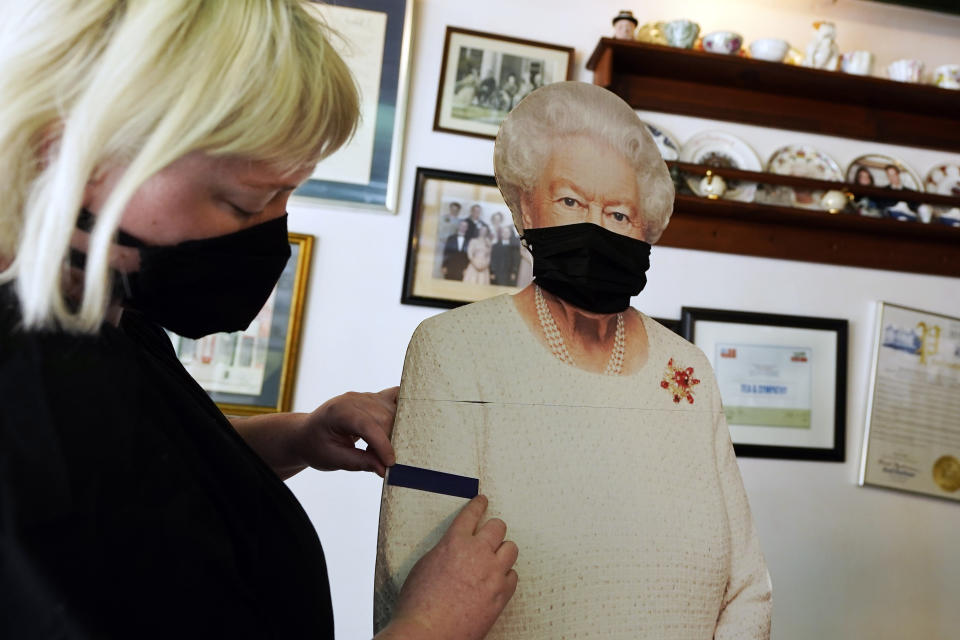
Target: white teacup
{"type": "Point", "coordinates": [906, 70]}
{"type": "Point", "coordinates": [857, 62]}
{"type": "Point", "coordinates": [947, 76]}
{"type": "Point", "coordinates": [770, 49]}
{"type": "Point", "coordinates": [834, 201]}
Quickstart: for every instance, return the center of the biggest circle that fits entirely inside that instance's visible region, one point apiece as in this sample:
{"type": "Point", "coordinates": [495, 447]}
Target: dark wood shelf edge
{"type": "Point", "coordinates": [737, 89]}
{"type": "Point", "coordinates": [810, 236]}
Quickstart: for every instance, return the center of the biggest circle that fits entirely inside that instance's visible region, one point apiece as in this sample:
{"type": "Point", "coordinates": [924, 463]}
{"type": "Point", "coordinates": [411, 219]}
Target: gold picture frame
{"type": "Point", "coordinates": [253, 371]}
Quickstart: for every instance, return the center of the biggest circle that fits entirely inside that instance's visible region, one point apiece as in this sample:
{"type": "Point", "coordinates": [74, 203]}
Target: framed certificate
{"type": "Point", "coordinates": [782, 380]}
{"type": "Point", "coordinates": [912, 437]}
{"type": "Point", "coordinates": [375, 44]}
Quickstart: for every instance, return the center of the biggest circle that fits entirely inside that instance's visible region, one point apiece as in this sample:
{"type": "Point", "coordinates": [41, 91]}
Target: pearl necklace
{"type": "Point", "coordinates": [559, 348]}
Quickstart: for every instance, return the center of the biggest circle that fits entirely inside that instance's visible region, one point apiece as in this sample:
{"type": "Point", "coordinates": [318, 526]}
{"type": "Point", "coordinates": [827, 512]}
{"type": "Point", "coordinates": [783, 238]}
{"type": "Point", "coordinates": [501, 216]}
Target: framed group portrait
{"type": "Point", "coordinates": [373, 38]}
{"type": "Point", "coordinates": [463, 245]}
{"type": "Point", "coordinates": [483, 75]}
{"type": "Point", "coordinates": [782, 380]}
{"type": "Point", "coordinates": [253, 371]}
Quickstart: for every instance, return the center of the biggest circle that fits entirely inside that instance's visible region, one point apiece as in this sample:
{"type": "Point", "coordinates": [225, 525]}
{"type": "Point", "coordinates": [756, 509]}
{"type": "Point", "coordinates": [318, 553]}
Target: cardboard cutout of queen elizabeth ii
{"type": "Point", "coordinates": [597, 435]}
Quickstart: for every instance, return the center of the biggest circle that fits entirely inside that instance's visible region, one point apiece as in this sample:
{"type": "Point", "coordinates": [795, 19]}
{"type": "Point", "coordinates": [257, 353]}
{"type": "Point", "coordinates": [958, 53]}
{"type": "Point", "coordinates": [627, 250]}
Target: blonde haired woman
{"type": "Point", "coordinates": [148, 149]}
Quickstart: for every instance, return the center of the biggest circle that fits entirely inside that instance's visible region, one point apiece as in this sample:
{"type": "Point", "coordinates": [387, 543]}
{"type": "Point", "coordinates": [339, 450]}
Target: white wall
{"type": "Point", "coordinates": [847, 562]}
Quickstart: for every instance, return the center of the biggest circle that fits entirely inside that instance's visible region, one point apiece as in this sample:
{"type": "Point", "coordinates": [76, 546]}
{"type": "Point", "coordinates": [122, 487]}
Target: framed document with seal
{"type": "Point", "coordinates": [912, 438]}
{"type": "Point", "coordinates": [782, 380]}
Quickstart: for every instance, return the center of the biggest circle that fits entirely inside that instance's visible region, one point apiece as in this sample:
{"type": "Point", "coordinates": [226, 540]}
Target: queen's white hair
{"type": "Point", "coordinates": [556, 111]}
{"type": "Point", "coordinates": [138, 84]}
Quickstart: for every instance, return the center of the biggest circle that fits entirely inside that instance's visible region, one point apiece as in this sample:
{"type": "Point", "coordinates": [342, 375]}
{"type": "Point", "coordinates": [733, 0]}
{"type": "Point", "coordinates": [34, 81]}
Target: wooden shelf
{"type": "Point", "coordinates": [787, 233]}
{"type": "Point", "coordinates": [782, 96]}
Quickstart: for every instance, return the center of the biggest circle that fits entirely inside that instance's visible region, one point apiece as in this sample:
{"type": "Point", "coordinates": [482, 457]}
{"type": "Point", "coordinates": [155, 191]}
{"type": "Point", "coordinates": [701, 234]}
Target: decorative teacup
{"type": "Point", "coordinates": [857, 62]}
{"type": "Point", "coordinates": [681, 33]}
{"type": "Point", "coordinates": [834, 200]}
{"type": "Point", "coordinates": [906, 70]}
{"type": "Point", "coordinates": [770, 49]}
{"type": "Point", "coordinates": [651, 32]}
{"type": "Point", "coordinates": [726, 42]}
{"type": "Point", "coordinates": [947, 76]}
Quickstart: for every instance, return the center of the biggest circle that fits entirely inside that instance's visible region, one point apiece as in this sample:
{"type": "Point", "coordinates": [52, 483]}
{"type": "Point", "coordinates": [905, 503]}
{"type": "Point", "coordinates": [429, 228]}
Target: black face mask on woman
{"type": "Point", "coordinates": [199, 287]}
{"type": "Point", "coordinates": [588, 266]}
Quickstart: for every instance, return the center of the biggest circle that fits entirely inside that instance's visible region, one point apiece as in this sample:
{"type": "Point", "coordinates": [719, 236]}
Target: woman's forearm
{"type": "Point", "coordinates": [273, 437]}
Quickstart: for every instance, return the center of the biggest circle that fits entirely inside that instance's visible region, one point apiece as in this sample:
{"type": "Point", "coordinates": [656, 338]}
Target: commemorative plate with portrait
{"type": "Point", "coordinates": [886, 172]}
{"type": "Point", "coordinates": [804, 161]}
{"type": "Point", "coordinates": [722, 150]}
{"type": "Point", "coordinates": [944, 179]}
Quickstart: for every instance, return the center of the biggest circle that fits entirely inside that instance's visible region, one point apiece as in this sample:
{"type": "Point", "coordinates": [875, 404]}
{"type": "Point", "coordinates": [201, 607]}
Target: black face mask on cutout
{"type": "Point", "coordinates": [213, 285]}
{"type": "Point", "coordinates": [588, 266]}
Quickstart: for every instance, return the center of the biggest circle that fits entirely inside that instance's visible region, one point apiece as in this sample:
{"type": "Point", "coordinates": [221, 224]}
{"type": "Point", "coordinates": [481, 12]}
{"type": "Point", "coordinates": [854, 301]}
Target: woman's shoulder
{"type": "Point", "coordinates": [491, 314]}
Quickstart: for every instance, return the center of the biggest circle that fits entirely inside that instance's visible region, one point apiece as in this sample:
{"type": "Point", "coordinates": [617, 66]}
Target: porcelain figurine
{"type": "Point", "coordinates": [822, 52]}
{"type": "Point", "coordinates": [859, 63]}
{"type": "Point", "coordinates": [726, 42]}
{"type": "Point", "coordinates": [681, 33]}
{"type": "Point", "coordinates": [624, 25]}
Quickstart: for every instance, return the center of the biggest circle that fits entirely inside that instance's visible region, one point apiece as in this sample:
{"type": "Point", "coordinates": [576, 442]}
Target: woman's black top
{"type": "Point", "coordinates": [131, 508]}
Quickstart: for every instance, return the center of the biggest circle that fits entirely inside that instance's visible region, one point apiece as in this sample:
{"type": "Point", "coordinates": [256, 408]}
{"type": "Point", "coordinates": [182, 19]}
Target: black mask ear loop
{"type": "Point", "coordinates": [121, 284]}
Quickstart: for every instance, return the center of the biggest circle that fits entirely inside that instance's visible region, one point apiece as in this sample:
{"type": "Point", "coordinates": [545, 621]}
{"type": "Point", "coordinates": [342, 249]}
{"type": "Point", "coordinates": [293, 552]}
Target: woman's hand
{"type": "Point", "coordinates": [458, 589]}
{"type": "Point", "coordinates": [326, 439]}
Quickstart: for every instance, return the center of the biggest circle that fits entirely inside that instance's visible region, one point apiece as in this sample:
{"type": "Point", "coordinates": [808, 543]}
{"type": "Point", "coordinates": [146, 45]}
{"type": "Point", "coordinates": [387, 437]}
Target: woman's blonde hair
{"type": "Point", "coordinates": [86, 85]}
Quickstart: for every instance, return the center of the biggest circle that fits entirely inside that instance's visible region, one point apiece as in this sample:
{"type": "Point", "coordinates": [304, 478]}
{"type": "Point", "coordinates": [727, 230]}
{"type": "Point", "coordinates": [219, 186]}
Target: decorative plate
{"type": "Point", "coordinates": [669, 150]}
{"type": "Point", "coordinates": [806, 162]}
{"type": "Point", "coordinates": [878, 170]}
{"type": "Point", "coordinates": [719, 149]}
{"type": "Point", "coordinates": [945, 180]}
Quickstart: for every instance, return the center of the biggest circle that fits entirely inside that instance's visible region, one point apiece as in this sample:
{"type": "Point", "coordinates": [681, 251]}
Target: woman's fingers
{"type": "Point", "coordinates": [493, 532]}
{"type": "Point", "coordinates": [507, 554]}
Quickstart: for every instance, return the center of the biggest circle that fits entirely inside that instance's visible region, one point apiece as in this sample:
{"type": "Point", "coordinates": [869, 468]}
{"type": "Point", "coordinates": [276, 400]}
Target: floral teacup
{"type": "Point", "coordinates": [726, 42]}
{"type": "Point", "coordinates": [947, 76]}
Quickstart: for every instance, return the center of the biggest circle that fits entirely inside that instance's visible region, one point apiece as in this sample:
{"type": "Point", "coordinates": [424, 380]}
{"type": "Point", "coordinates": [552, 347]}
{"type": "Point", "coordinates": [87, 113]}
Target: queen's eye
{"type": "Point", "coordinates": [570, 202]}
{"type": "Point", "coordinates": [619, 217]}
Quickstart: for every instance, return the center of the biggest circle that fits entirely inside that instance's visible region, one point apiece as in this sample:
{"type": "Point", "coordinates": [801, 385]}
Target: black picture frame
{"type": "Point", "coordinates": [828, 402]}
{"type": "Point", "coordinates": [423, 284]}
{"type": "Point", "coordinates": [453, 115]}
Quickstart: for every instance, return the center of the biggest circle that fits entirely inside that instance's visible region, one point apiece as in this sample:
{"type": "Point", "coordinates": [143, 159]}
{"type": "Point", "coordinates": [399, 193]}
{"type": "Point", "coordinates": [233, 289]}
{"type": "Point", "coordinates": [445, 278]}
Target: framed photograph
{"type": "Point", "coordinates": [782, 379]}
{"type": "Point", "coordinates": [375, 44]}
{"type": "Point", "coordinates": [252, 371]}
{"type": "Point", "coordinates": [912, 438]}
{"type": "Point", "coordinates": [484, 75]}
{"type": "Point", "coordinates": [463, 245]}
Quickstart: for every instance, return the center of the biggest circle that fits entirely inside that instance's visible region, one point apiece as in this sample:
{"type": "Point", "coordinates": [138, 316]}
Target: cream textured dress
{"type": "Point", "coordinates": [622, 493]}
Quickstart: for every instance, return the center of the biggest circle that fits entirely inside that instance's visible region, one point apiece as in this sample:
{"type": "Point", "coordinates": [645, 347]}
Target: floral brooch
{"type": "Point", "coordinates": [679, 381]}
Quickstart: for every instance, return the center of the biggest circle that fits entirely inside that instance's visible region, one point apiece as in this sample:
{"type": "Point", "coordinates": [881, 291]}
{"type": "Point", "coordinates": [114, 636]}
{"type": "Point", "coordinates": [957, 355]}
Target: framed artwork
{"type": "Point", "coordinates": [463, 245]}
{"type": "Point", "coordinates": [782, 379]}
{"type": "Point", "coordinates": [483, 75]}
{"type": "Point", "coordinates": [252, 371]}
{"type": "Point", "coordinates": [912, 439]}
{"type": "Point", "coordinates": [375, 44]}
